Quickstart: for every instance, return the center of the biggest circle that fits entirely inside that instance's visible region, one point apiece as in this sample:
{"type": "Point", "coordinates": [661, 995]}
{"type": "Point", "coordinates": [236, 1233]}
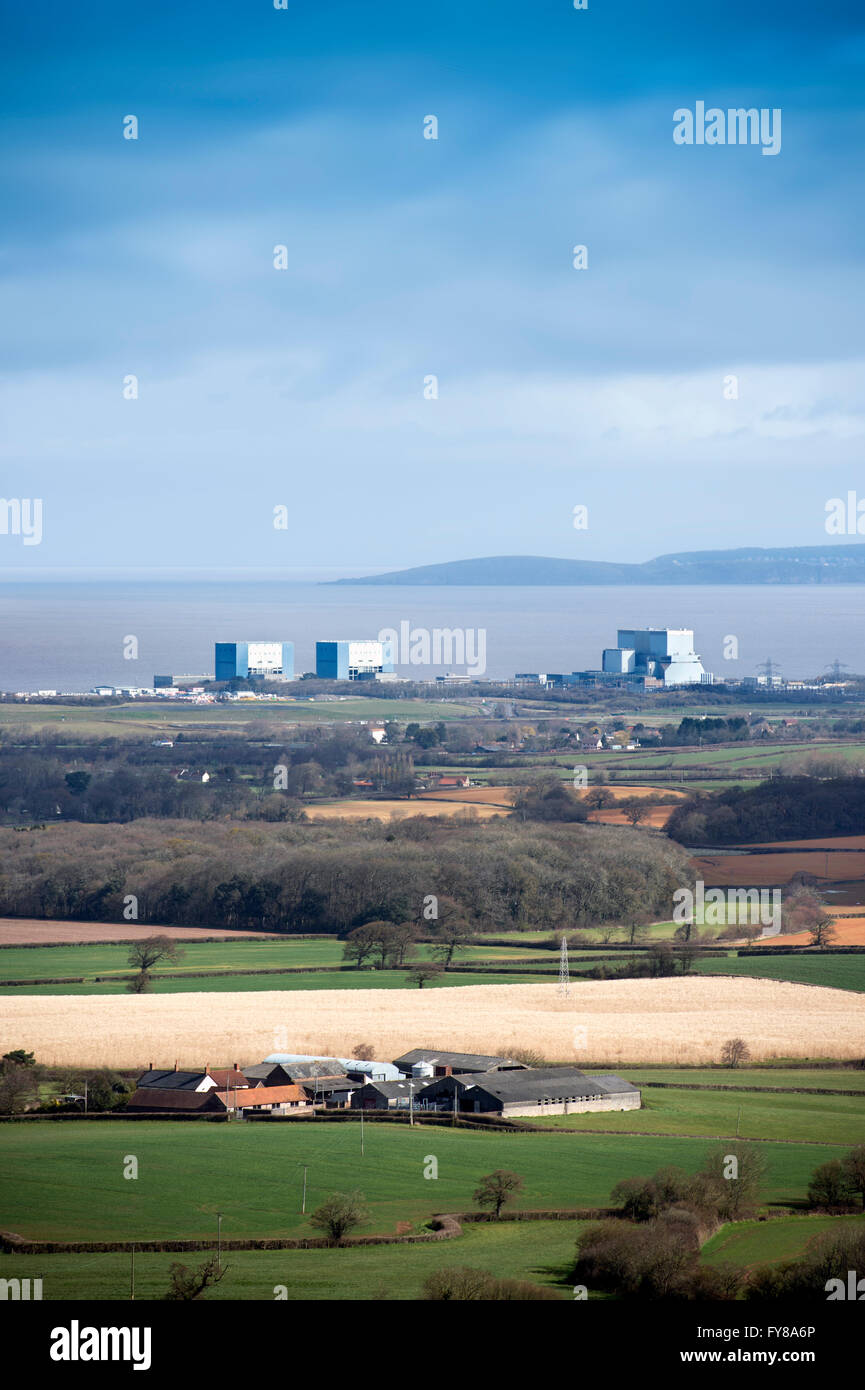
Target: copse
{"type": "Point", "coordinates": [335, 876]}
{"type": "Point", "coordinates": [785, 808]}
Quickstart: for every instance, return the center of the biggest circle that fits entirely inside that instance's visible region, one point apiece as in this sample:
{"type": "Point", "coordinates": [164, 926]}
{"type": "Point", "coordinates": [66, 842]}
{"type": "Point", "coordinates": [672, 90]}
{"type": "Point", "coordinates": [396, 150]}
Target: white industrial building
{"type": "Point", "coordinates": [663, 654]}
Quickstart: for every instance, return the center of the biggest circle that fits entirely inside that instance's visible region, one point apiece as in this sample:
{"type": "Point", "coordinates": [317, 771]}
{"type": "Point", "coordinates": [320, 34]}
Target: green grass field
{"type": "Point", "coordinates": [51, 962]}
{"type": "Point", "coordinates": [749, 1243]}
{"type": "Point", "coordinates": [828, 1079]}
{"type": "Point", "coordinates": [228, 984]}
{"type": "Point", "coordinates": [806, 1119]}
{"type": "Point", "coordinates": [137, 719]}
{"type": "Point", "coordinates": [836, 972]}
{"type": "Point", "coordinates": [540, 1251]}
{"type": "Point", "coordinates": [64, 1180]}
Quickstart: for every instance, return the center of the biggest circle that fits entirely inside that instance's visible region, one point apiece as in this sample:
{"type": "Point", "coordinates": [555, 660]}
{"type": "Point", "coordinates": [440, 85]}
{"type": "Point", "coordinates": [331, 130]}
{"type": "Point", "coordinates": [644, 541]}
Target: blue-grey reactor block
{"type": "Point", "coordinates": [264, 660]}
{"type": "Point", "coordinates": [352, 660]}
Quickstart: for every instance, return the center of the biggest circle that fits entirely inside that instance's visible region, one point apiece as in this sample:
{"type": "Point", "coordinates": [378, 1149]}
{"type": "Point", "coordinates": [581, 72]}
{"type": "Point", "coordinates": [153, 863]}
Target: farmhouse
{"type": "Point", "coordinates": [423, 1061]}
{"type": "Point", "coordinates": [229, 1078]}
{"type": "Point", "coordinates": [533, 1091]}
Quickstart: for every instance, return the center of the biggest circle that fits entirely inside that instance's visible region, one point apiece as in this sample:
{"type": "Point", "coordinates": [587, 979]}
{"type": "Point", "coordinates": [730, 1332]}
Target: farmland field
{"type": "Point", "coordinates": [64, 1181]}
{"type": "Point", "coordinates": [837, 972]}
{"type": "Point", "coordinates": [749, 1243]}
{"type": "Point", "coordinates": [824, 1078]}
{"type": "Point", "coordinates": [540, 1251]}
{"type": "Point", "coordinates": [767, 869]}
{"type": "Point", "coordinates": [359, 809]}
{"type": "Point", "coordinates": [139, 718]}
{"type": "Point", "coordinates": [280, 953]}
{"type": "Point", "coordinates": [22, 931]}
{"type": "Point", "coordinates": [677, 1020]}
{"type": "Point", "coordinates": [290, 983]}
{"type": "Point", "coordinates": [806, 1119]}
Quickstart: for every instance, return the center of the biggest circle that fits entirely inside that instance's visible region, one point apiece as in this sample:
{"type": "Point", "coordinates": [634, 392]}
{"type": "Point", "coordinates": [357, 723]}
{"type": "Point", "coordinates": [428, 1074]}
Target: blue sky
{"type": "Point", "coordinates": [408, 257]}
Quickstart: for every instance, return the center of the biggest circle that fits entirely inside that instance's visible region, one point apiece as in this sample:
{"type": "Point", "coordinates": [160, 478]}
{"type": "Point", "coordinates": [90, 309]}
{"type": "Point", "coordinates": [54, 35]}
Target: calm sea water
{"type": "Point", "coordinates": [70, 636]}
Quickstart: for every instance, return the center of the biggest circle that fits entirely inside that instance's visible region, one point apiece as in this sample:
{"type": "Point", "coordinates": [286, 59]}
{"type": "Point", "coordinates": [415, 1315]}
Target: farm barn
{"type": "Point", "coordinates": [534, 1091]}
{"type": "Point", "coordinates": [422, 1061]}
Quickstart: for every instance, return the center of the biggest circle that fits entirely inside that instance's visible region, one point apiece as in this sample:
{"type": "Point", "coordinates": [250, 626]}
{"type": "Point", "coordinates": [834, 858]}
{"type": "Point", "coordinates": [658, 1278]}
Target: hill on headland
{"type": "Point", "coordinates": [828, 564]}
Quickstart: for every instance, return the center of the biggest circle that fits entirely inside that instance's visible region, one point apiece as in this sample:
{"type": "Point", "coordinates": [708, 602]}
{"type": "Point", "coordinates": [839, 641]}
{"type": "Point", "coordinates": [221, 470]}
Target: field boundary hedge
{"type": "Point", "coordinates": [753, 1090]}
{"type": "Point", "coordinates": [816, 951]}
{"type": "Point", "coordinates": [13, 1244]}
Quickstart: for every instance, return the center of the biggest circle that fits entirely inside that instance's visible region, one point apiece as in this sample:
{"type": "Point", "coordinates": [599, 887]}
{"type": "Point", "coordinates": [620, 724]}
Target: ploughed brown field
{"type": "Point", "coordinates": [27, 931]}
{"type": "Point", "coordinates": [765, 870]}
{"type": "Point", "coordinates": [849, 931]}
{"type": "Point", "coordinates": [400, 810]}
{"type": "Point", "coordinates": [656, 817]}
{"type": "Point", "coordinates": [682, 1020]}
{"type": "Point", "coordinates": [473, 796]}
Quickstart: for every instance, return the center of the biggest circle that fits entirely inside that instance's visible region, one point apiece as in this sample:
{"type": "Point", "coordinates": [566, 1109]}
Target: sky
{"type": "Point", "coordinates": [305, 388]}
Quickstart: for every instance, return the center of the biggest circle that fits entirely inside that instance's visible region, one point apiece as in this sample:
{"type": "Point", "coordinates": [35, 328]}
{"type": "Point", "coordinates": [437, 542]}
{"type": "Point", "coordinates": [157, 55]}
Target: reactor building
{"type": "Point", "coordinates": [353, 660]}
{"type": "Point", "coordinates": [256, 660]}
{"type": "Point", "coordinates": [650, 657]}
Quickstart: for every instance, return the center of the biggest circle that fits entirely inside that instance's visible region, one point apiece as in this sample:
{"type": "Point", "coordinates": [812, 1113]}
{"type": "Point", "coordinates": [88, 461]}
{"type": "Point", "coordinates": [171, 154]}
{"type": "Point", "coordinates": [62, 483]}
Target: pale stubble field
{"type": "Point", "coordinates": [605, 1022]}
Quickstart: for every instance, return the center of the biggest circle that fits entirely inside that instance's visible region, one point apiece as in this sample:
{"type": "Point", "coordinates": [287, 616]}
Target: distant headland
{"type": "Point", "coordinates": [819, 564]}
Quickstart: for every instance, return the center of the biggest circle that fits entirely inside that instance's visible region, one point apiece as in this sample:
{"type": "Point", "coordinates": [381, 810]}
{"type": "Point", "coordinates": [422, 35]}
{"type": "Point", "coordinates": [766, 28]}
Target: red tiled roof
{"type": "Point", "coordinates": [227, 1076]}
{"type": "Point", "coordinates": [265, 1095]}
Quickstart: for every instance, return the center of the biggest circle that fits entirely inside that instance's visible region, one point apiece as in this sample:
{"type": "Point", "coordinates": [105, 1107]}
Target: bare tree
{"type": "Point", "coordinates": [187, 1284]}
{"type": "Point", "coordinates": [497, 1188]}
{"type": "Point", "coordinates": [734, 1052]}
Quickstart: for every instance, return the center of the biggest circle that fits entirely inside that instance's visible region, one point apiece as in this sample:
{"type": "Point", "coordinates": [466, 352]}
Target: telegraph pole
{"type": "Point", "coordinates": [219, 1240]}
{"type": "Point", "coordinates": [303, 1203]}
{"type": "Point", "coordinates": [132, 1276]}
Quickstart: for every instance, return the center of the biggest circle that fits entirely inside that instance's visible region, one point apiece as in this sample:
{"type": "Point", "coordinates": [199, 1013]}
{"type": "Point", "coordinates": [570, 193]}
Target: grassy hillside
{"type": "Point", "coordinates": [65, 1180]}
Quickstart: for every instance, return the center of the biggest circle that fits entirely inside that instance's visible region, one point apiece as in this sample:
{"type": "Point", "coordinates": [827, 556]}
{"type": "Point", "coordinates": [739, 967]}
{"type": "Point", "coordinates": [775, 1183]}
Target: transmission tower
{"type": "Point", "coordinates": [564, 974]}
{"type": "Point", "coordinates": [835, 668]}
{"type": "Point", "coordinates": [770, 669]}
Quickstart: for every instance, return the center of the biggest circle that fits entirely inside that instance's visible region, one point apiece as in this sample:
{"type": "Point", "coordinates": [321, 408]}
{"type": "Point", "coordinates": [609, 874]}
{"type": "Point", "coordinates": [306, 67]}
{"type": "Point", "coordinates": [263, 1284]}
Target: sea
{"type": "Point", "coordinates": [72, 635]}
